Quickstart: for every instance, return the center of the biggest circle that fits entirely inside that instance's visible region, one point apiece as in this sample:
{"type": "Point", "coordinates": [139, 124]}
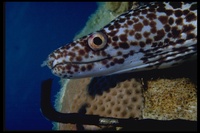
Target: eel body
{"type": "Point", "coordinates": [154, 36]}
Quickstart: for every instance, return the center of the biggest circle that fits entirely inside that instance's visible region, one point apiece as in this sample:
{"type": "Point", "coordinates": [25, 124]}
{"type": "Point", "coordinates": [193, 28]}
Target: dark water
{"type": "Point", "coordinates": [32, 31]}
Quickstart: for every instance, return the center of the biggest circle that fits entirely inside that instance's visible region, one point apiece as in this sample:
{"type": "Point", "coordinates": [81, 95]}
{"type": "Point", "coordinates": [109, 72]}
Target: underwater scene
{"type": "Point", "coordinates": [113, 66]}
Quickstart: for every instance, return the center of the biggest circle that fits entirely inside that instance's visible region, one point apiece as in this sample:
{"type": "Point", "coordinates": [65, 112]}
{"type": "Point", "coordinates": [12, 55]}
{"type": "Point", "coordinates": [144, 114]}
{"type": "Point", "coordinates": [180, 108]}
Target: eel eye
{"type": "Point", "coordinates": [97, 41]}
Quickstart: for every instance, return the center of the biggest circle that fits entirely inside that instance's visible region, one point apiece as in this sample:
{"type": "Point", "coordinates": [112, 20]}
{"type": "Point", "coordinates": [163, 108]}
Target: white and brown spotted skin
{"type": "Point", "coordinates": [157, 35]}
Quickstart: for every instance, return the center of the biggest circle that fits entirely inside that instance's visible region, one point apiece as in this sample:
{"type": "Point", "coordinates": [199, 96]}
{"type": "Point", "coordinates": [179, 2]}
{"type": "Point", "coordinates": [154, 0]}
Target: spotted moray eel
{"type": "Point", "coordinates": [153, 36]}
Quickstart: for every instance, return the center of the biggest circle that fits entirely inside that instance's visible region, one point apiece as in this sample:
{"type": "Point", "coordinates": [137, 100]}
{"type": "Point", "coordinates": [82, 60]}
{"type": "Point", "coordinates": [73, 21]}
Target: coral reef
{"type": "Point", "coordinates": [163, 99]}
{"type": "Point", "coordinates": [71, 92]}
{"type": "Point", "coordinates": [125, 100]}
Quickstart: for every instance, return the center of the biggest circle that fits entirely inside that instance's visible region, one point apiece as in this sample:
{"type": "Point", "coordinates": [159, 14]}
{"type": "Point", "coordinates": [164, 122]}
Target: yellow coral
{"type": "Point", "coordinates": [167, 99]}
{"type": "Point", "coordinates": [109, 11]}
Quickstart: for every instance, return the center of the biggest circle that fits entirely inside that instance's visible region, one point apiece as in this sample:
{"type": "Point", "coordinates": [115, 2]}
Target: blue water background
{"type": "Point", "coordinates": [32, 31]}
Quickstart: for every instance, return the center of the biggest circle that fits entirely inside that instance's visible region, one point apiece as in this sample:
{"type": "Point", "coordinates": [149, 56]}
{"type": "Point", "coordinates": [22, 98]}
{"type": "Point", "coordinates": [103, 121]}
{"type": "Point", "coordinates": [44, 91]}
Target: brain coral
{"type": "Point", "coordinates": [124, 100]}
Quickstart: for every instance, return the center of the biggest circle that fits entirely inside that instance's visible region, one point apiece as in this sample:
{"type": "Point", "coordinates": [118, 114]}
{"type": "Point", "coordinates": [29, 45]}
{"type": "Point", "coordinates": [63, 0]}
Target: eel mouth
{"type": "Point", "coordinates": [77, 63]}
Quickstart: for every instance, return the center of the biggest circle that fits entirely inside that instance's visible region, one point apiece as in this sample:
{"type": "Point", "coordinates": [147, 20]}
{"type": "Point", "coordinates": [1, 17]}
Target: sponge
{"type": "Point", "coordinates": [167, 99]}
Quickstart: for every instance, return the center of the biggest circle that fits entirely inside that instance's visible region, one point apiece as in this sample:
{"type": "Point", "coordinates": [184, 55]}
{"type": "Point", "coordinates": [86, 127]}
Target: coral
{"type": "Point", "coordinates": [122, 101]}
{"type": "Point", "coordinates": [163, 99]}
{"type": "Point", "coordinates": [125, 100]}
{"type": "Point", "coordinates": [72, 92]}
{"type": "Point", "coordinates": [109, 11]}
{"type": "Point", "coordinates": [120, 7]}
{"type": "Point", "coordinates": [167, 99]}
